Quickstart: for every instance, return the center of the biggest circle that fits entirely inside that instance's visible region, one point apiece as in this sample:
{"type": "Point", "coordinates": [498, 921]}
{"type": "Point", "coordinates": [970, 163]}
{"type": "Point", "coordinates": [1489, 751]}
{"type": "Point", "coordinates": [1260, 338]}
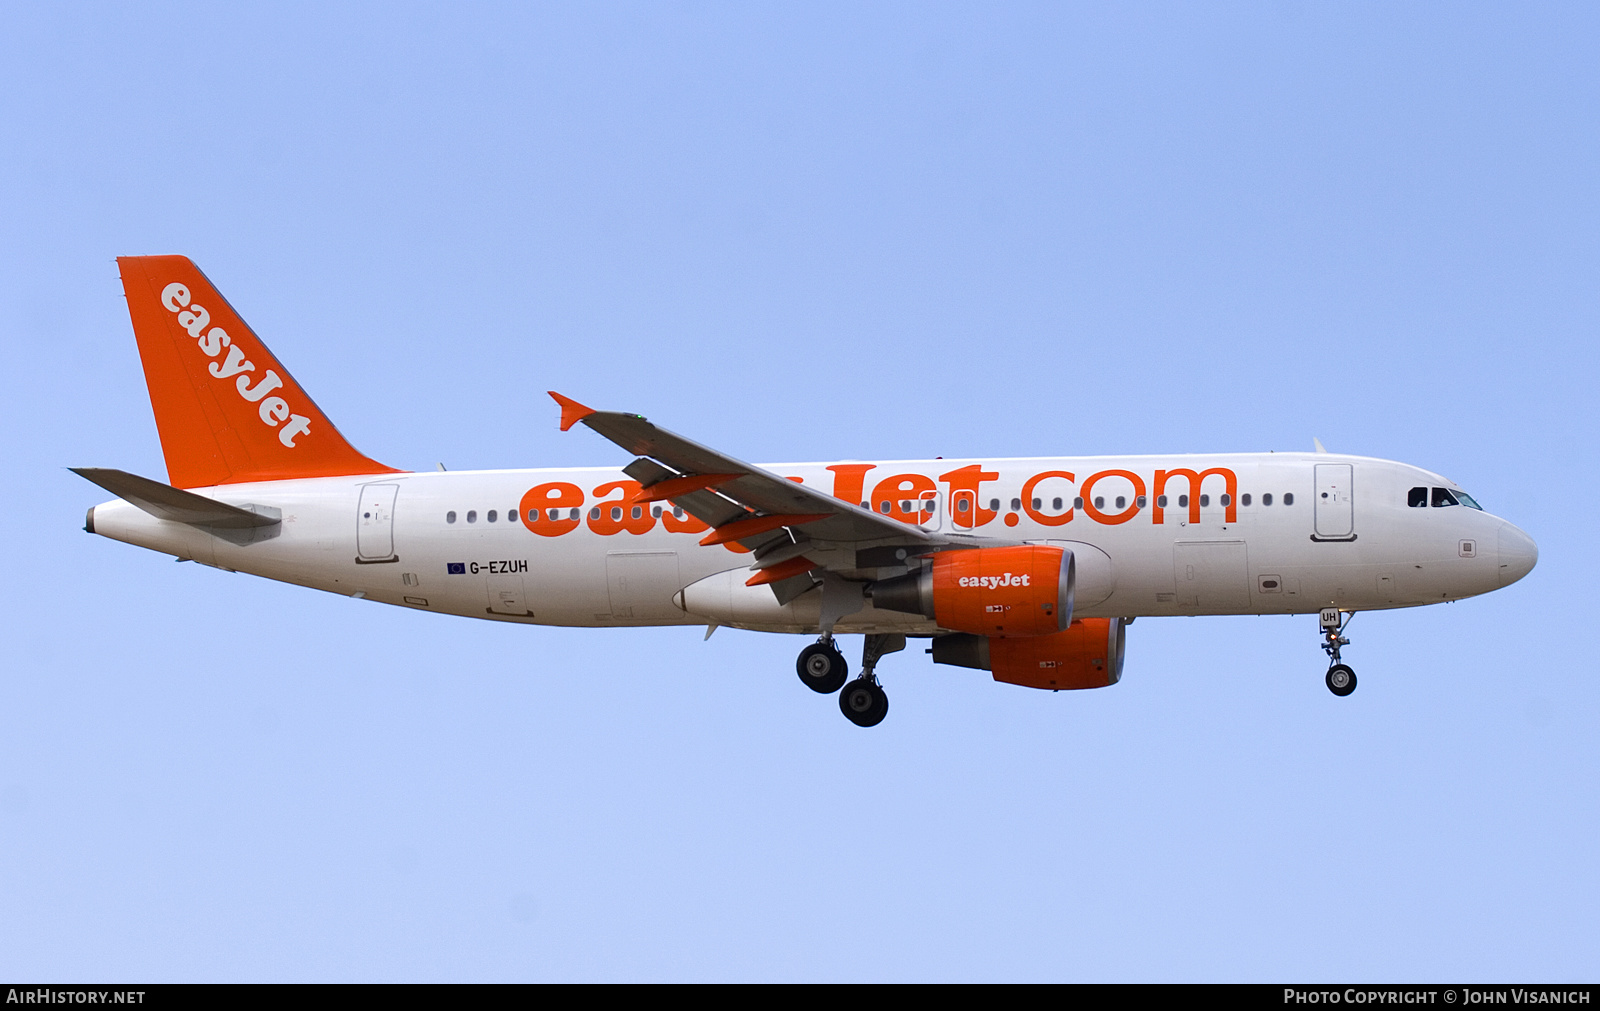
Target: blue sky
{"type": "Point", "coordinates": [803, 233]}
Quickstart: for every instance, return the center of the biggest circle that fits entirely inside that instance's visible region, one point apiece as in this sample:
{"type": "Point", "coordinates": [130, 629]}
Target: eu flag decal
{"type": "Point", "coordinates": [455, 568]}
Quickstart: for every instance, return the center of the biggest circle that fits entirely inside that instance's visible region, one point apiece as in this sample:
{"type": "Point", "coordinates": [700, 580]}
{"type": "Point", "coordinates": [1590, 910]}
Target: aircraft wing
{"type": "Point", "coordinates": [792, 529]}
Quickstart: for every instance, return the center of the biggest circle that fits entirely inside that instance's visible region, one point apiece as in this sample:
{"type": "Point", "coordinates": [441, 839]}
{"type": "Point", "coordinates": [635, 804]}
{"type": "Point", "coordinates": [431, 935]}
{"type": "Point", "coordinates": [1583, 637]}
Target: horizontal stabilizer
{"type": "Point", "coordinates": [168, 503]}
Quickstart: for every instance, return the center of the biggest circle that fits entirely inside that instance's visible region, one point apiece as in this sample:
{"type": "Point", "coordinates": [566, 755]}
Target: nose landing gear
{"type": "Point", "coordinates": [1341, 680]}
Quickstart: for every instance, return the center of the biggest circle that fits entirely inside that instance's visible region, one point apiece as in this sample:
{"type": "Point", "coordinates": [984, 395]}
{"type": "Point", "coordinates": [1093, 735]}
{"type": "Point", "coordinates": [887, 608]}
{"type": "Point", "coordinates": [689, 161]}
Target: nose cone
{"type": "Point", "coordinates": [1518, 554]}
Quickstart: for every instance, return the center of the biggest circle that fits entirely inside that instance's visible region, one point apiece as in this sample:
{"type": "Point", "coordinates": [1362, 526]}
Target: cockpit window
{"type": "Point", "coordinates": [1442, 497]}
{"type": "Point", "coordinates": [1417, 498]}
{"type": "Point", "coordinates": [1467, 501]}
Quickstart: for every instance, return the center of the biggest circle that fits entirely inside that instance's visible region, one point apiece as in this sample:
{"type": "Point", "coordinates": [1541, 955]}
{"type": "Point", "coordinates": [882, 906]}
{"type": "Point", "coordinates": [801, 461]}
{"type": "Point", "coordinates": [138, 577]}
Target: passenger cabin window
{"type": "Point", "coordinates": [1288, 498]}
{"type": "Point", "coordinates": [1244, 499]}
{"type": "Point", "coordinates": [1016, 504]}
{"type": "Point", "coordinates": [1442, 498]}
{"type": "Point", "coordinates": [472, 515]}
{"type": "Point", "coordinates": [450, 517]}
{"type": "Point", "coordinates": [493, 515]}
{"type": "Point", "coordinates": [1266, 499]}
{"type": "Point", "coordinates": [1417, 498]}
{"type": "Point", "coordinates": [1205, 500]}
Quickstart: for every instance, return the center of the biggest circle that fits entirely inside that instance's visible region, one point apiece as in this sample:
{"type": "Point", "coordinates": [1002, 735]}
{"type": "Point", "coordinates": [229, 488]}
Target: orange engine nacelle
{"type": "Point", "coordinates": [1024, 590]}
{"type": "Point", "coordinates": [1086, 655]}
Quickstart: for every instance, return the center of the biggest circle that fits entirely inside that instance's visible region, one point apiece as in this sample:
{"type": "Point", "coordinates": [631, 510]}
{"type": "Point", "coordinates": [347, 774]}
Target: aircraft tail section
{"type": "Point", "coordinates": [227, 411]}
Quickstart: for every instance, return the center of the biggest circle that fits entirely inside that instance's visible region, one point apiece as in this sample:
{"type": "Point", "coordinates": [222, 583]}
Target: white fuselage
{"type": "Point", "coordinates": [1338, 533]}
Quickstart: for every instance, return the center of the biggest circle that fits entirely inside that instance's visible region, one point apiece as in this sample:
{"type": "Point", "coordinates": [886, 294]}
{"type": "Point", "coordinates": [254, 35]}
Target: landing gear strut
{"type": "Point", "coordinates": [1341, 679]}
{"type": "Point", "coordinates": [864, 701]}
{"type": "Point", "coordinates": [821, 667]}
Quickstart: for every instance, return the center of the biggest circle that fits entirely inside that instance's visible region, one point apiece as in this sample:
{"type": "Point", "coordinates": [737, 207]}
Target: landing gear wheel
{"type": "Point", "coordinates": [1341, 680]}
{"type": "Point", "coordinates": [864, 703]}
{"type": "Point", "coordinates": [822, 668]}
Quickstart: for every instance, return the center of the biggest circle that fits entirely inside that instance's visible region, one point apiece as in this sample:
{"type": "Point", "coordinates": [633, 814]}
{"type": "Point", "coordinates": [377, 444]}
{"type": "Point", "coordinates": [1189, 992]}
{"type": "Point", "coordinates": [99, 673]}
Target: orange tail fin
{"type": "Point", "coordinates": [226, 410]}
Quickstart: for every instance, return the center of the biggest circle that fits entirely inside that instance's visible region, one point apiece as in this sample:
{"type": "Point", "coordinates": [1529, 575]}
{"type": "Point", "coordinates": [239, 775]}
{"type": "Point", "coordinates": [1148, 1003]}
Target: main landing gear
{"type": "Point", "coordinates": [822, 668]}
{"type": "Point", "coordinates": [1341, 679]}
{"type": "Point", "coordinates": [864, 702]}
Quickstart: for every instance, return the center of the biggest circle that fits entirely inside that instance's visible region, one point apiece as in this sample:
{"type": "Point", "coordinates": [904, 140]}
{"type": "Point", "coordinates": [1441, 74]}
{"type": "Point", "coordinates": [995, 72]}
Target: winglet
{"type": "Point", "coordinates": [572, 412]}
{"type": "Point", "coordinates": [1318, 443]}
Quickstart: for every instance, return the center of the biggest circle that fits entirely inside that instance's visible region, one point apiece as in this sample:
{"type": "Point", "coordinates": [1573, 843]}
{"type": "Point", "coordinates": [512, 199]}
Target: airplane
{"type": "Point", "coordinates": [1031, 569]}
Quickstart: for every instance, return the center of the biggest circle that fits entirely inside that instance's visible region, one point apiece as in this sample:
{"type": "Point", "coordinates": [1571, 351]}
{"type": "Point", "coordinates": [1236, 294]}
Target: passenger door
{"type": "Point", "coordinates": [1334, 503]}
{"type": "Point", "coordinates": [375, 523]}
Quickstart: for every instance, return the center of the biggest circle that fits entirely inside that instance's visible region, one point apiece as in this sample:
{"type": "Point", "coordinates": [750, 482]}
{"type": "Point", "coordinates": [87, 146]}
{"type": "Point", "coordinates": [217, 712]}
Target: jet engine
{"type": "Point", "coordinates": [1088, 654]}
{"type": "Point", "coordinates": [1022, 590]}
